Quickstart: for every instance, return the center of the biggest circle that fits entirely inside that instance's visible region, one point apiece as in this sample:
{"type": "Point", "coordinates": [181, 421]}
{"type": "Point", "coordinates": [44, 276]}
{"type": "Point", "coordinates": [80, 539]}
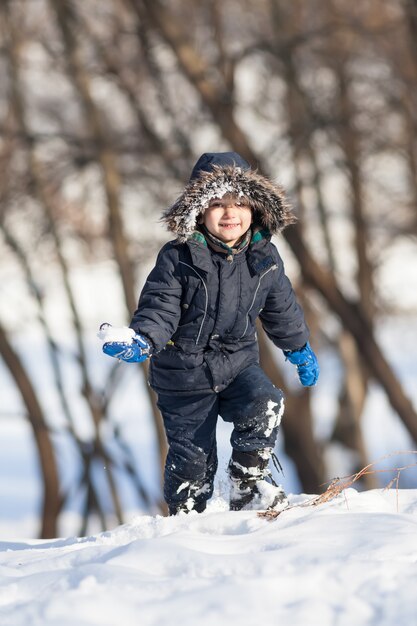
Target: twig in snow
{"type": "Point", "coordinates": [339, 485]}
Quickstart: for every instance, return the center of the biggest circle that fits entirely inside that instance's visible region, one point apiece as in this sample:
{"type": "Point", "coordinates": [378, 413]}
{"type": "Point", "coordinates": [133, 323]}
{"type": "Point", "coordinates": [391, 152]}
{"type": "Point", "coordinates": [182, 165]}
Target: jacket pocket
{"type": "Point", "coordinates": [174, 370]}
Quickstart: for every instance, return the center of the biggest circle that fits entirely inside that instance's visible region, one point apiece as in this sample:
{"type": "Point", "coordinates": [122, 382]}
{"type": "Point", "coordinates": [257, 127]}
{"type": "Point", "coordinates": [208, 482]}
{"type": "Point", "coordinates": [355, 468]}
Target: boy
{"type": "Point", "coordinates": [196, 318]}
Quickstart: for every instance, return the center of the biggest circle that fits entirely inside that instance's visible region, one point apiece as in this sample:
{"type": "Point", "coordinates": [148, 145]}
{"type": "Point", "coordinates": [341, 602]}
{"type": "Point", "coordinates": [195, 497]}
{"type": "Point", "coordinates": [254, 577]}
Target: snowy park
{"type": "Point", "coordinates": [208, 305]}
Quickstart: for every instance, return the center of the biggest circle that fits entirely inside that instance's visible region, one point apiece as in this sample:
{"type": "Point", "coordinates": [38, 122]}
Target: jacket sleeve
{"type": "Point", "coordinates": [159, 307]}
{"type": "Point", "coordinates": [282, 317]}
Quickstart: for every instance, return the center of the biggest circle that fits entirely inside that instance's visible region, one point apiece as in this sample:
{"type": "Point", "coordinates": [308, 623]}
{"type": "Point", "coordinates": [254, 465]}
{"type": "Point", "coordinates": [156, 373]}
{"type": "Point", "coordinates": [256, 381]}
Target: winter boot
{"type": "Point", "coordinates": [252, 486]}
{"type": "Point", "coordinates": [195, 498]}
{"type": "Point", "coordinates": [187, 507]}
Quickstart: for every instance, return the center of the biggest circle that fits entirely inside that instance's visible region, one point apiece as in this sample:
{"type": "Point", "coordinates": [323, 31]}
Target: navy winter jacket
{"type": "Point", "coordinates": [199, 311]}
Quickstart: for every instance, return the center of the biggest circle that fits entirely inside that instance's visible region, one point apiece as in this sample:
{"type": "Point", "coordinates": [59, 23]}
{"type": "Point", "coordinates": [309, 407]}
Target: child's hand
{"type": "Point", "coordinates": [124, 344]}
{"type": "Point", "coordinates": [307, 364]}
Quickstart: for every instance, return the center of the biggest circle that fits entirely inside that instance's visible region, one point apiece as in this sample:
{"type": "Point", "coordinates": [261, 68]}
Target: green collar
{"type": "Point", "coordinates": [255, 236]}
{"type": "Point", "coordinates": [199, 237]}
{"type": "Point", "coordinates": [220, 246]}
{"type": "Point", "coordinates": [259, 234]}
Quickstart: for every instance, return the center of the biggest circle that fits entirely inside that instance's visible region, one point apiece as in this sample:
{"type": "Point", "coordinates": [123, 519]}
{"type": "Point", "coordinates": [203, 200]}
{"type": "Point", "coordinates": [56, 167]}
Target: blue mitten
{"type": "Point", "coordinates": [124, 344]}
{"type": "Point", "coordinates": [307, 364]}
{"type": "Point", "coordinates": [135, 352]}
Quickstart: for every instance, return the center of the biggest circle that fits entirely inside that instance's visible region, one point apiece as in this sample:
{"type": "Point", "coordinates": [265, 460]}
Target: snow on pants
{"type": "Point", "coordinates": [251, 402]}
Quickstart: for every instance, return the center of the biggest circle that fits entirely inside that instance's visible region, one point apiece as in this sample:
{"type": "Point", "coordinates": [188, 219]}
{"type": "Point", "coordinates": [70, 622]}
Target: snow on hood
{"type": "Point", "coordinates": [267, 199]}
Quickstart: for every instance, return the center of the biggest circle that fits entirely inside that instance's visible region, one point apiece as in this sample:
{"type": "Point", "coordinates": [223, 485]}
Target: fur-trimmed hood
{"type": "Point", "coordinates": [216, 174]}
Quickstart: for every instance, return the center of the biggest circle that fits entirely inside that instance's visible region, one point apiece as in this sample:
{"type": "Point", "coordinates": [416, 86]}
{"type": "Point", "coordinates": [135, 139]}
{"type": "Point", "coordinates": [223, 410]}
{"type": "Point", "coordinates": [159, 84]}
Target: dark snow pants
{"type": "Point", "coordinates": [251, 402]}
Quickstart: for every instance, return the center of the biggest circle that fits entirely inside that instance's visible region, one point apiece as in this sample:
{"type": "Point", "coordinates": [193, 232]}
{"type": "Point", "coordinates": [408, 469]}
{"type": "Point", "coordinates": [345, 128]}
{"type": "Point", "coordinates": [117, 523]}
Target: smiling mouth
{"type": "Point", "coordinates": [228, 225]}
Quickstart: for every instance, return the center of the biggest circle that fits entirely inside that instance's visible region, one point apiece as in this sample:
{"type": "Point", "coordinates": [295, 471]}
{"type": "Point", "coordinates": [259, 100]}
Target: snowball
{"type": "Point", "coordinates": [121, 335]}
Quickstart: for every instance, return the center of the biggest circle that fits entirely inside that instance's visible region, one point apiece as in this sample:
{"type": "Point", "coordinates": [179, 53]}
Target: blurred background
{"type": "Point", "coordinates": [104, 107]}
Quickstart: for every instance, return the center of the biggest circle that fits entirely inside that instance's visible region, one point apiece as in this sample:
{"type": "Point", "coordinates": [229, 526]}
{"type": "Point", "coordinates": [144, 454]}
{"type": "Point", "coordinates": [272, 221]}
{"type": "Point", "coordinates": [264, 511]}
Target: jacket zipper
{"type": "Point", "coordinates": [273, 267]}
{"type": "Point", "coordinates": [206, 306]}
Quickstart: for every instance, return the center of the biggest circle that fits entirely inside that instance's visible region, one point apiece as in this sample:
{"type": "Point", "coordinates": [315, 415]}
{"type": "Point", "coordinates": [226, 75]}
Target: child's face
{"type": "Point", "coordinates": [227, 218]}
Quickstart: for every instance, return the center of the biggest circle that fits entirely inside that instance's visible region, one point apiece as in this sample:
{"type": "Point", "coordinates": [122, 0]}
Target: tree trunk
{"type": "Point", "coordinates": [297, 424]}
{"type": "Point", "coordinates": [51, 505]}
{"type": "Point", "coordinates": [352, 404]}
{"type": "Point", "coordinates": [355, 321]}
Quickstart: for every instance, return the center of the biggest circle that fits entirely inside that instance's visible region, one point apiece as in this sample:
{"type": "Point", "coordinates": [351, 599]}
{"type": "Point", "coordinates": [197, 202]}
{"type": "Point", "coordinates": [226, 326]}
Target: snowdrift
{"type": "Point", "coordinates": [351, 561]}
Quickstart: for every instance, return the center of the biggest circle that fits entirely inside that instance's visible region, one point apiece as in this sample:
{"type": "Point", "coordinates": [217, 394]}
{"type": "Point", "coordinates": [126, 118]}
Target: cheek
{"type": "Point", "coordinates": [205, 219]}
{"type": "Point", "coordinates": [209, 219]}
{"type": "Point", "coordinates": [247, 220]}
{"type": "Point", "coordinates": [202, 218]}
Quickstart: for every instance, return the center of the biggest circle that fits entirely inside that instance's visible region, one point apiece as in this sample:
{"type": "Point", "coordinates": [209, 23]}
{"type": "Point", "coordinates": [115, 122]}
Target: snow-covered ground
{"type": "Point", "coordinates": [352, 561]}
